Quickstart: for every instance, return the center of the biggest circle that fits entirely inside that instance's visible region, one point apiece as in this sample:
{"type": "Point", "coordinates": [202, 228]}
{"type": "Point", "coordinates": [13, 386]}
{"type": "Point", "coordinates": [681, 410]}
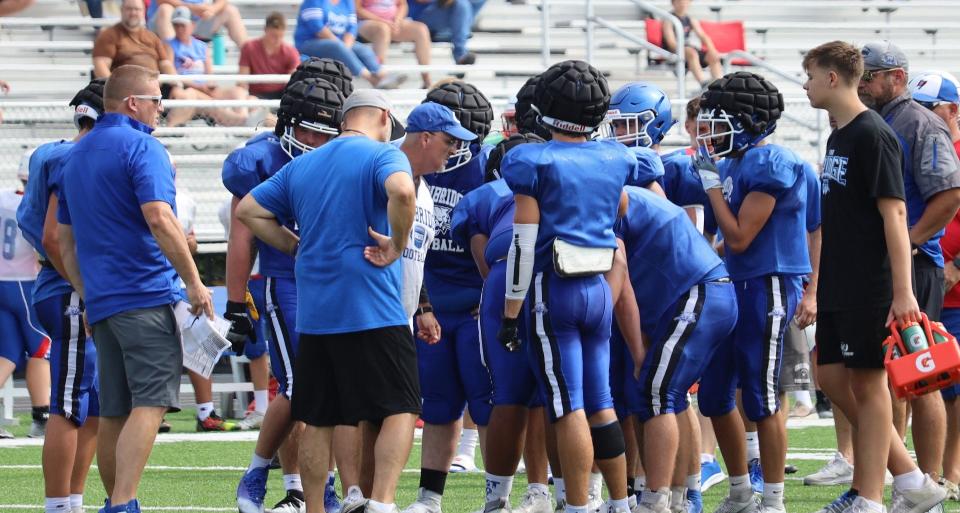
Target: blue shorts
{"type": "Point", "coordinates": [682, 344]}
{"type": "Point", "coordinates": [452, 374]}
{"type": "Point", "coordinates": [951, 320]}
{"type": "Point", "coordinates": [624, 388]}
{"type": "Point", "coordinates": [568, 342]}
{"type": "Point", "coordinates": [513, 381]}
{"type": "Point", "coordinates": [21, 336]}
{"type": "Point", "coordinates": [256, 345]}
{"type": "Point", "coordinates": [278, 311]}
{"type": "Point", "coordinates": [752, 353]}
{"type": "Point", "coordinates": [73, 359]}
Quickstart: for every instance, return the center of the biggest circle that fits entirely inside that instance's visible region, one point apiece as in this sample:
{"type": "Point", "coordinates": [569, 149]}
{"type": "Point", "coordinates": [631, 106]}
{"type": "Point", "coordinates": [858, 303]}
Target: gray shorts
{"type": "Point", "coordinates": [795, 365]}
{"type": "Point", "coordinates": [139, 360]}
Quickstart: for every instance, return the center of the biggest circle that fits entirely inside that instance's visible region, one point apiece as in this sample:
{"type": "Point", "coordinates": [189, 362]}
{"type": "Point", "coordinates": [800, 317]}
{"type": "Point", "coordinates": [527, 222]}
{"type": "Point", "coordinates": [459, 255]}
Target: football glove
{"type": "Point", "coordinates": [709, 176]}
{"type": "Point", "coordinates": [240, 325]}
{"type": "Point", "coordinates": [509, 334]}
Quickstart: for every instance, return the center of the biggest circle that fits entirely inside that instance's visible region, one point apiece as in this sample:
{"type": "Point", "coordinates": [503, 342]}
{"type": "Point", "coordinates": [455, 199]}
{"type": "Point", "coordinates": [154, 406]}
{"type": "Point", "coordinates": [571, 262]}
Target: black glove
{"type": "Point", "coordinates": [509, 334]}
{"type": "Point", "coordinates": [240, 325]}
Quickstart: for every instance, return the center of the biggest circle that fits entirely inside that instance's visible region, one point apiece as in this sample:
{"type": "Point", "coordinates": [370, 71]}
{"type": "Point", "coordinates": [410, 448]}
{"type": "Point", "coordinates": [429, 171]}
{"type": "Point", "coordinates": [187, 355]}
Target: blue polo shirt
{"type": "Point", "coordinates": [334, 193]}
{"type": "Point", "coordinates": [109, 174]}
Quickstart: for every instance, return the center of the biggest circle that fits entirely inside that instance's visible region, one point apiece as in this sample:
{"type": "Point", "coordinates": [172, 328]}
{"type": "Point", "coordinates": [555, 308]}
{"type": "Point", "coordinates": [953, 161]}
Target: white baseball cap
{"type": "Point", "coordinates": [935, 86]}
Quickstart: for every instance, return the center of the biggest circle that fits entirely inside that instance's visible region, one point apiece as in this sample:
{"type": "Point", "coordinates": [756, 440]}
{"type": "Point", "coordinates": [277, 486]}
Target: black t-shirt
{"type": "Point", "coordinates": [863, 163]}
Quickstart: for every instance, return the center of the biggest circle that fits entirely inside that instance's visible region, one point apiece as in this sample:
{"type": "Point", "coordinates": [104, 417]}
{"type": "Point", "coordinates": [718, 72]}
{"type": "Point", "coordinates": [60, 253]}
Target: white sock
{"type": "Point", "coordinates": [596, 483]}
{"type": "Point", "coordinates": [204, 410]}
{"type": "Point", "coordinates": [640, 483]}
{"type": "Point", "coordinates": [874, 506]}
{"type": "Point", "coordinates": [693, 482]}
{"type": "Point", "coordinates": [498, 487]}
{"type": "Point", "coordinates": [292, 482]}
{"type": "Point", "coordinates": [379, 507]}
{"type": "Point", "coordinates": [740, 487]}
{"type": "Point", "coordinates": [354, 492]}
{"type": "Point", "coordinates": [559, 489]}
{"type": "Point", "coordinates": [76, 500]}
{"type": "Point", "coordinates": [331, 477]}
{"type": "Point", "coordinates": [678, 495]}
{"type": "Point", "coordinates": [261, 398]}
{"type": "Point", "coordinates": [539, 488]}
{"type": "Point", "coordinates": [258, 462]}
{"type": "Point", "coordinates": [468, 443]}
{"type": "Point", "coordinates": [575, 509]}
{"type": "Point", "coordinates": [57, 505]}
{"type": "Point", "coordinates": [802, 397]}
{"type": "Point", "coordinates": [909, 481]}
{"type": "Point", "coordinates": [652, 497]}
{"type": "Point", "coordinates": [707, 458]}
{"type": "Point", "coordinates": [773, 494]}
{"type": "Point", "coordinates": [620, 504]}
{"type": "Point", "coordinates": [753, 445]}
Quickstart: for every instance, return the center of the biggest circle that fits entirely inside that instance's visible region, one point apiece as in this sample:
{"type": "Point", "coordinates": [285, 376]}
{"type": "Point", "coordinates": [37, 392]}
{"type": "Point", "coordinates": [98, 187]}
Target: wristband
{"type": "Point", "coordinates": [424, 309]}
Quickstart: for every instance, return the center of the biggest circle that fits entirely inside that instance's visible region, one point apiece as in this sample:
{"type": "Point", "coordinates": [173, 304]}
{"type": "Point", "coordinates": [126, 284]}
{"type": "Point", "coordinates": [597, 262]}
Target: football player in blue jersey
{"type": "Point", "coordinates": [452, 375]}
{"type": "Point", "coordinates": [483, 221]}
{"type": "Point", "coordinates": [70, 441]}
{"type": "Point", "coordinates": [687, 307]}
{"type": "Point", "coordinates": [563, 242]}
{"type": "Point", "coordinates": [759, 197]}
{"type": "Point", "coordinates": [309, 116]}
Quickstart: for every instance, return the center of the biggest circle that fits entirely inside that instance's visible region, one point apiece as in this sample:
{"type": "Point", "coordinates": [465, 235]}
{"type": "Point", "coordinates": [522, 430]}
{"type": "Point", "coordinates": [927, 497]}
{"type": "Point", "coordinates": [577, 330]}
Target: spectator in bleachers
{"type": "Point", "coordinates": [269, 55]}
{"type": "Point", "coordinates": [128, 42]}
{"type": "Point", "coordinates": [328, 28]}
{"type": "Point", "coordinates": [698, 47]}
{"type": "Point", "coordinates": [11, 7]}
{"type": "Point", "coordinates": [5, 89]}
{"type": "Point", "coordinates": [209, 16]}
{"type": "Point", "coordinates": [384, 21]}
{"type": "Point", "coordinates": [448, 20]}
{"type": "Point", "coordinates": [192, 56]}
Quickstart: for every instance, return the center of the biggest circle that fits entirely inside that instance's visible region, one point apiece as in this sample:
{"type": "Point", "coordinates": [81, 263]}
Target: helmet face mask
{"type": "Point", "coordinates": [718, 131]}
{"type": "Point", "coordinates": [293, 147]}
{"type": "Point", "coordinates": [628, 128]}
{"type": "Point", "coordinates": [460, 157]}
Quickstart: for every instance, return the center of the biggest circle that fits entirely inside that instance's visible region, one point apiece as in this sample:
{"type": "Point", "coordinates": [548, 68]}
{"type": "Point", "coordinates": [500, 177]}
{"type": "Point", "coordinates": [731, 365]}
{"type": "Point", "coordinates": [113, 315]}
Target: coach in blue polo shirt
{"type": "Point", "coordinates": [353, 200]}
{"type": "Point", "coordinates": [122, 245]}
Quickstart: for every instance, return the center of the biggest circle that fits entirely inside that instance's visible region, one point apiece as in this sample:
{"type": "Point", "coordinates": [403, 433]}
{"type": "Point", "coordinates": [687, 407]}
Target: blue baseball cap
{"type": "Point", "coordinates": [935, 86]}
{"type": "Point", "coordinates": [433, 117]}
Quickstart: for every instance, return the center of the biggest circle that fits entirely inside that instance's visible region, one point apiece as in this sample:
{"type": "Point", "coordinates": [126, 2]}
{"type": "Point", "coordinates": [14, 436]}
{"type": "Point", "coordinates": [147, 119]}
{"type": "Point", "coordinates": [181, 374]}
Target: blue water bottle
{"type": "Point", "coordinates": [219, 50]}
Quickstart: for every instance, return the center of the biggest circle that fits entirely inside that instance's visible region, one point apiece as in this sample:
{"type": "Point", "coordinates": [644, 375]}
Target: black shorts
{"type": "Point", "coordinates": [928, 286]}
{"type": "Point", "coordinates": [852, 337]}
{"type": "Point", "coordinates": [345, 378]}
{"type": "Point", "coordinates": [165, 90]}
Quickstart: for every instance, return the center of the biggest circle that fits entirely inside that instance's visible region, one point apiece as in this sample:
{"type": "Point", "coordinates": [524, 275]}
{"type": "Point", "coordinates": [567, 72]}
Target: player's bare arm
{"type": "Point", "coordinates": [263, 224]}
{"type": "Point", "coordinates": [739, 230]}
{"type": "Point", "coordinates": [894, 213]}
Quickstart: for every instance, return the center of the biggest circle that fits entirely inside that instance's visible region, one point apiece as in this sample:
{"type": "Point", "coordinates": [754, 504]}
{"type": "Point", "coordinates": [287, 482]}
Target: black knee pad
{"type": "Point", "coordinates": [607, 441]}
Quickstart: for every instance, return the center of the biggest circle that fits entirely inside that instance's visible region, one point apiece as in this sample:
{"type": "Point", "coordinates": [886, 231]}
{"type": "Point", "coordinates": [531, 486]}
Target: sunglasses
{"type": "Point", "coordinates": [450, 141]}
{"type": "Point", "coordinates": [157, 100]}
{"type": "Point", "coordinates": [869, 75]}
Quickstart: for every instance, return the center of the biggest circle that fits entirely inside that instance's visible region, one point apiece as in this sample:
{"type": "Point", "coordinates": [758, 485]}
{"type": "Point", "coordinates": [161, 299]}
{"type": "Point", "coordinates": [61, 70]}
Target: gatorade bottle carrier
{"type": "Point", "coordinates": [917, 373]}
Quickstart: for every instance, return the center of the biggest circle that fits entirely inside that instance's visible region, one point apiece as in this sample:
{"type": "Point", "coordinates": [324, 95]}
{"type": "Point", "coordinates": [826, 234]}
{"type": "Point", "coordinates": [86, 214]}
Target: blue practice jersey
{"type": "Point", "coordinates": [781, 245]}
{"type": "Point", "coordinates": [486, 210]}
{"type": "Point", "coordinates": [449, 273]}
{"type": "Point", "coordinates": [649, 167]}
{"type": "Point", "coordinates": [45, 171]}
{"type": "Point", "coordinates": [681, 184]}
{"type": "Point", "coordinates": [666, 254]}
{"type": "Point", "coordinates": [578, 187]}
{"type": "Point", "coordinates": [813, 195]}
{"type": "Point", "coordinates": [248, 167]}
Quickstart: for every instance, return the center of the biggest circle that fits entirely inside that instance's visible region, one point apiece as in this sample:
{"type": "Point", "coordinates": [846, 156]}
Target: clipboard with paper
{"type": "Point", "coordinates": [203, 339]}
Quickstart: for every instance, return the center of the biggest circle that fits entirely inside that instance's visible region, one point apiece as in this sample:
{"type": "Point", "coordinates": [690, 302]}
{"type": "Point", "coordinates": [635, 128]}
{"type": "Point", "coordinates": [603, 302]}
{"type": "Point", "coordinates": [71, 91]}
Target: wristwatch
{"type": "Point", "coordinates": [424, 309]}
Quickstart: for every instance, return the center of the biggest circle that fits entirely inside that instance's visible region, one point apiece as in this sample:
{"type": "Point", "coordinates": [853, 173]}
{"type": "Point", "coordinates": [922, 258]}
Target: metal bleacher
{"type": "Point", "coordinates": [45, 56]}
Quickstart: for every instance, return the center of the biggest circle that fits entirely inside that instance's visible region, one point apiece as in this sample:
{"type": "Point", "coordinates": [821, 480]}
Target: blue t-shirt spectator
{"type": "Point", "coordinates": [109, 174]}
{"type": "Point", "coordinates": [188, 58]}
{"type": "Point", "coordinates": [343, 185]}
{"type": "Point", "coordinates": [315, 15]}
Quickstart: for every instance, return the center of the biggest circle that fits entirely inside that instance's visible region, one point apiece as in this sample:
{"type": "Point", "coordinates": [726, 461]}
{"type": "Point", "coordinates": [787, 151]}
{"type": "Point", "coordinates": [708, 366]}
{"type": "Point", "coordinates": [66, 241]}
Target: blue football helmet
{"type": "Point", "coordinates": [639, 115]}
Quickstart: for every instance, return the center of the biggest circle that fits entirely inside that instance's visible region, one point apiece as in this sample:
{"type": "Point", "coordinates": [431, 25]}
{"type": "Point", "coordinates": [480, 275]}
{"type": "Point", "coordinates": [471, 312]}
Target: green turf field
{"type": "Point", "coordinates": [202, 476]}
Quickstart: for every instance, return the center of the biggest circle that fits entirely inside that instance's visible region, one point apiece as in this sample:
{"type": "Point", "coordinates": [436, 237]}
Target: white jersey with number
{"type": "Point", "coordinates": [18, 260]}
{"type": "Point", "coordinates": [186, 213]}
{"type": "Point", "coordinates": [421, 236]}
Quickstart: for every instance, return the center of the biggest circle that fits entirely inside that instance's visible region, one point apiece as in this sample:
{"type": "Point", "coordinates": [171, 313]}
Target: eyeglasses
{"type": "Point", "coordinates": [450, 141]}
{"type": "Point", "coordinates": [157, 100]}
{"type": "Point", "coordinates": [869, 75]}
